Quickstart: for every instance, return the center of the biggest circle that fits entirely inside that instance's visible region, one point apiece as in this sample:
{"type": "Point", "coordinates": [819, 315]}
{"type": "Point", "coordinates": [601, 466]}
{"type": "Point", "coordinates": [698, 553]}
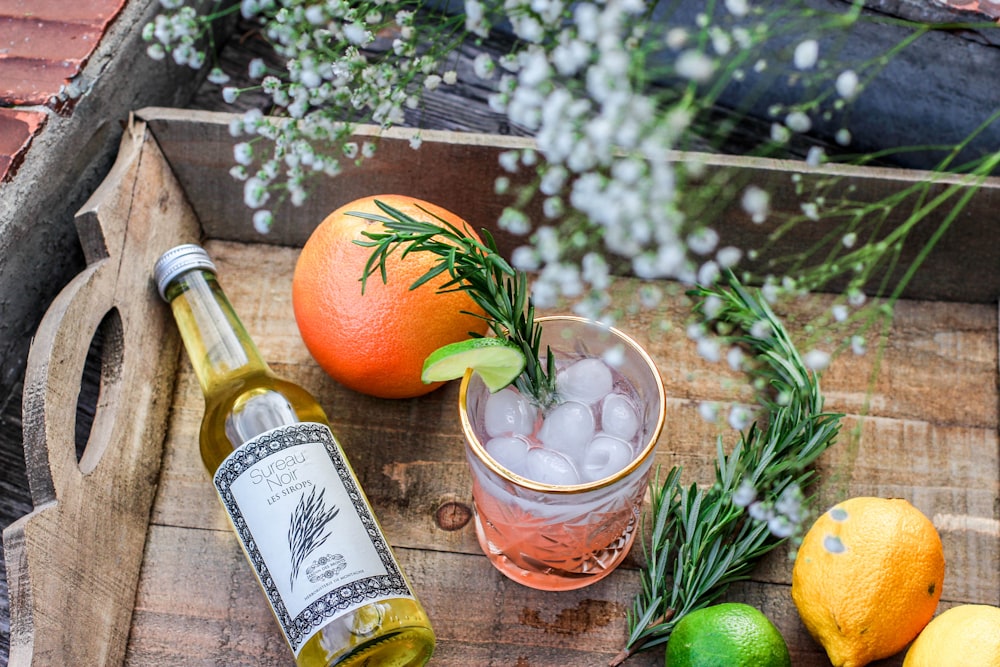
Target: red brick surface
{"type": "Point", "coordinates": [17, 129]}
{"type": "Point", "coordinates": [43, 45]}
{"type": "Point", "coordinates": [74, 11]}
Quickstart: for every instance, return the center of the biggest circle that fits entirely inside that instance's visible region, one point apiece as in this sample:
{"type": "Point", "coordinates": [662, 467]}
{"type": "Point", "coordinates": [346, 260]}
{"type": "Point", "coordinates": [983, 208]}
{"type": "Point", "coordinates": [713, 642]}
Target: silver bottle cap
{"type": "Point", "coordinates": [178, 260]}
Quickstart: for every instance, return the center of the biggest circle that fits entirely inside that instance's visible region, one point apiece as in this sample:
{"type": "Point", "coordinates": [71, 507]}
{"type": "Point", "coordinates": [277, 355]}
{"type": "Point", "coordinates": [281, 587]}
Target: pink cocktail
{"type": "Point", "coordinates": [558, 495]}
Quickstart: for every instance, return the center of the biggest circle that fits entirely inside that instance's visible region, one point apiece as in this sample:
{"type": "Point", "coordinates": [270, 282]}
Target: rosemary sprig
{"type": "Point", "coordinates": [704, 539]}
{"type": "Point", "coordinates": [478, 269]}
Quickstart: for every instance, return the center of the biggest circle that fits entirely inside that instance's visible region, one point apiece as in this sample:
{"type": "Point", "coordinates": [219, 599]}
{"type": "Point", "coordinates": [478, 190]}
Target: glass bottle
{"type": "Point", "coordinates": [305, 525]}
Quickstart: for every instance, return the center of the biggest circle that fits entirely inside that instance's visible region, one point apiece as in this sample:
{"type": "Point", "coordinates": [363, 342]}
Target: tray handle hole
{"type": "Point", "coordinates": [101, 370]}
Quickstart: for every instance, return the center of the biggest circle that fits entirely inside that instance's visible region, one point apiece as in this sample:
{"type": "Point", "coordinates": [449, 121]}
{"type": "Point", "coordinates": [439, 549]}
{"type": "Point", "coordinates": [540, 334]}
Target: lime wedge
{"type": "Point", "coordinates": [497, 362]}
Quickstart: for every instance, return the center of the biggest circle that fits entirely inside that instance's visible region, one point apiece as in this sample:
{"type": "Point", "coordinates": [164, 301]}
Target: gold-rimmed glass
{"type": "Point", "coordinates": [553, 537]}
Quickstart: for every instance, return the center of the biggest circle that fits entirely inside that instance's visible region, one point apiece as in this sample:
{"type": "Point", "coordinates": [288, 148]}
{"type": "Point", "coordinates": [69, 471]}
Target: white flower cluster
{"type": "Point", "coordinates": [178, 32]}
{"type": "Point", "coordinates": [333, 76]}
{"type": "Point", "coordinates": [611, 96]}
{"type": "Point", "coordinates": [783, 516]}
{"type": "Point", "coordinates": [607, 146]}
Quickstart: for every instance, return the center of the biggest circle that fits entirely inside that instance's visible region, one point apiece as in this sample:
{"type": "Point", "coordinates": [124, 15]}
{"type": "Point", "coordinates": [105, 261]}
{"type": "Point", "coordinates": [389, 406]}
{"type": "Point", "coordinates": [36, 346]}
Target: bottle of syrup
{"type": "Point", "coordinates": [304, 522]}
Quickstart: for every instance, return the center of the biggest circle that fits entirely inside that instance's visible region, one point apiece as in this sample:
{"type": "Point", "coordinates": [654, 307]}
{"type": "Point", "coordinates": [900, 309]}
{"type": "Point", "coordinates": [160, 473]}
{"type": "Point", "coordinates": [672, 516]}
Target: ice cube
{"type": "Point", "coordinates": [568, 428]}
{"type": "Point", "coordinates": [604, 456]}
{"type": "Point", "coordinates": [619, 417]}
{"type": "Point", "coordinates": [587, 381]}
{"type": "Point", "coordinates": [509, 413]}
{"type": "Point", "coordinates": [549, 467]}
{"type": "Point", "coordinates": [509, 451]}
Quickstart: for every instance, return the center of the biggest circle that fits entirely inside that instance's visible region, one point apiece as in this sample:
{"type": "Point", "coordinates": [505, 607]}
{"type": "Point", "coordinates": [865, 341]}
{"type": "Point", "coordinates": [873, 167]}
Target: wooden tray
{"type": "Point", "coordinates": [127, 557]}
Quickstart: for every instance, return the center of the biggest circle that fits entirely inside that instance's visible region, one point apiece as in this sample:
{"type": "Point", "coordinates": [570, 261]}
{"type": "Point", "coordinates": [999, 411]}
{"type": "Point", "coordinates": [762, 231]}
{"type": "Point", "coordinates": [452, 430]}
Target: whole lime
{"type": "Point", "coordinates": [731, 634]}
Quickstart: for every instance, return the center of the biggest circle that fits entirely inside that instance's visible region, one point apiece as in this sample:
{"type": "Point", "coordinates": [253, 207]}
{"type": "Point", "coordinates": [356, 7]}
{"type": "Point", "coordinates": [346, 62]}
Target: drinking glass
{"type": "Point", "coordinates": [563, 537]}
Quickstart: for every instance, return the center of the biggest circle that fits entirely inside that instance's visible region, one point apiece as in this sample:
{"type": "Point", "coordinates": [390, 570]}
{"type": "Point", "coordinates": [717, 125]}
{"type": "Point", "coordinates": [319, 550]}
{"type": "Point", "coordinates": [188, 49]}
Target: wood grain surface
{"type": "Point", "coordinates": [78, 552]}
{"type": "Point", "coordinates": [930, 436]}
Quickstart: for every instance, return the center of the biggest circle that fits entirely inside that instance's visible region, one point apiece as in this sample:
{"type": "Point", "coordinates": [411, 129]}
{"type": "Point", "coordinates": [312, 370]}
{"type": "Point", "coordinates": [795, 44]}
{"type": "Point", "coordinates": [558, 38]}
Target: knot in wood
{"type": "Point", "coordinates": [453, 515]}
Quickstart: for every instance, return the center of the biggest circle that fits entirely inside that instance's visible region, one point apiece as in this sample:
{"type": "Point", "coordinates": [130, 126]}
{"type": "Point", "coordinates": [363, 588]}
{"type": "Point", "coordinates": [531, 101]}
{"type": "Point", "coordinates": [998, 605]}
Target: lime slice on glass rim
{"type": "Point", "coordinates": [495, 360]}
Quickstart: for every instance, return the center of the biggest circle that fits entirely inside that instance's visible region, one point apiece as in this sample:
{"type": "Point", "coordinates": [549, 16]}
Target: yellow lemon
{"type": "Point", "coordinates": [964, 636]}
{"type": "Point", "coordinates": [867, 578]}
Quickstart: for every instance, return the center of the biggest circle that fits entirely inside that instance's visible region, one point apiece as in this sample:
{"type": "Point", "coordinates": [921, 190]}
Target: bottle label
{"type": "Point", "coordinates": [306, 528]}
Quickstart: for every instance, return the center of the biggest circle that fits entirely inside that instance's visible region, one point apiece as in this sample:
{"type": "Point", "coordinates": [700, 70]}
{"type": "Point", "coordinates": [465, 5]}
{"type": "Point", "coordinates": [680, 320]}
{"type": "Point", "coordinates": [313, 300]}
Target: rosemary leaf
{"type": "Point", "coordinates": [477, 268]}
{"type": "Point", "coordinates": [712, 540]}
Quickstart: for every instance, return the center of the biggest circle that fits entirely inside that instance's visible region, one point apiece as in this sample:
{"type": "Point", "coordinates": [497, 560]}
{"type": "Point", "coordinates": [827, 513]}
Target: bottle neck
{"type": "Point", "coordinates": [216, 341]}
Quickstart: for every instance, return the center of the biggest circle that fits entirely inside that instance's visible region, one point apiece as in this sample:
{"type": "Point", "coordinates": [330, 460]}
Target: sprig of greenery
{"type": "Point", "coordinates": [704, 539]}
{"type": "Point", "coordinates": [478, 269]}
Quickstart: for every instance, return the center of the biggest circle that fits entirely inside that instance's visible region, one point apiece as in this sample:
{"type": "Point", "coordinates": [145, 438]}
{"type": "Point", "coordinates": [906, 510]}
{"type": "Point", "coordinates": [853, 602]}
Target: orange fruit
{"type": "Point", "coordinates": [867, 578]}
{"type": "Point", "coordinates": [376, 342]}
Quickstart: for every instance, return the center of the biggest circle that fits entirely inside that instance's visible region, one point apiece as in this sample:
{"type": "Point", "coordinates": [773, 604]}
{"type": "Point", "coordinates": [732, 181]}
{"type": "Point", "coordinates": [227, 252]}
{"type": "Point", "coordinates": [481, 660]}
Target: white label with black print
{"type": "Point", "coordinates": [306, 528]}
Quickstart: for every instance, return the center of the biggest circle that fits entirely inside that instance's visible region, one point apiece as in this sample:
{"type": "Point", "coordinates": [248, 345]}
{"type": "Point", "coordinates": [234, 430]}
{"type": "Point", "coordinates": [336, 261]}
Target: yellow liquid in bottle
{"type": "Point", "coordinates": [236, 383]}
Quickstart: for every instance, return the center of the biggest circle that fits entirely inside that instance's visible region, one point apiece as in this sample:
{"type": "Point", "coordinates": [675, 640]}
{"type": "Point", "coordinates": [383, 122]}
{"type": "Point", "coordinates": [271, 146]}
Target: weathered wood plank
{"type": "Point", "coordinates": [481, 618]}
{"type": "Point", "coordinates": [81, 547]}
{"type": "Point", "coordinates": [199, 147]}
{"type": "Point", "coordinates": [941, 453]}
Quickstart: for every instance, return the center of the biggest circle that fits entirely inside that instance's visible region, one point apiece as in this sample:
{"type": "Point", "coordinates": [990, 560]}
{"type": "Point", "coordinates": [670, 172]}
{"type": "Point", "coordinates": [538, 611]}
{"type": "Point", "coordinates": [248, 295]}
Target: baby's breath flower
{"type": "Point", "coordinates": [217, 76]}
{"type": "Point", "coordinates": [738, 8]}
{"type": "Point", "coordinates": [735, 358]}
{"type": "Point", "coordinates": [740, 416]}
{"type": "Point", "coordinates": [553, 207]}
{"type": "Point", "coordinates": [695, 65]}
{"type": "Point", "coordinates": [780, 133]}
{"type": "Point", "coordinates": [263, 220]}
{"type": "Point", "coordinates": [709, 349]}
{"type": "Point", "coordinates": [810, 209]}
{"type": "Point", "coordinates": [858, 345]}
{"type": "Point", "coordinates": [243, 153]}
{"type": "Point", "coordinates": [709, 411]}
{"type": "Point", "coordinates": [596, 271]}
{"type": "Point", "coordinates": [432, 82]}
{"type": "Point", "coordinates": [255, 192]}
{"type": "Point", "coordinates": [761, 329]}
{"type": "Point", "coordinates": [816, 360]}
{"type": "Point", "coordinates": [514, 221]}
{"type": "Point", "coordinates": [745, 493]}
{"type": "Point", "coordinates": [815, 156]}
{"type": "Point", "coordinates": [708, 273]}
{"type": "Point", "coordinates": [483, 66]}
{"type": "Point", "coordinates": [780, 526]}
{"type": "Point", "coordinates": [249, 8]}
{"type": "Point", "coordinates": [728, 257]}
{"type": "Point", "coordinates": [703, 240]}
{"type": "Point", "coordinates": [798, 121]}
{"type": "Point", "coordinates": [677, 38]}
{"type": "Point", "coordinates": [525, 258]}
{"type": "Point", "coordinates": [806, 54]}
{"type": "Point", "coordinates": [847, 84]}
{"type": "Point", "coordinates": [757, 202]}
